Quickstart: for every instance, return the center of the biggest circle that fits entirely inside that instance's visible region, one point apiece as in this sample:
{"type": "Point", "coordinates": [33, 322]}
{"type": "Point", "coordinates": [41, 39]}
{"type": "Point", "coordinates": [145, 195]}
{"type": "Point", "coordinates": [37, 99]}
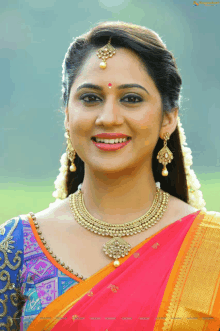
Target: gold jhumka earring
{"type": "Point", "coordinates": [70, 152]}
{"type": "Point", "coordinates": [165, 155]}
{"type": "Point", "coordinates": [104, 53]}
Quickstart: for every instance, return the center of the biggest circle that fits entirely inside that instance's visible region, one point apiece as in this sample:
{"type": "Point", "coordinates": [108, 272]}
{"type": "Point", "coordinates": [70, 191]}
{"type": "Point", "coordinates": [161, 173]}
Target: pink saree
{"type": "Point", "coordinates": [137, 294]}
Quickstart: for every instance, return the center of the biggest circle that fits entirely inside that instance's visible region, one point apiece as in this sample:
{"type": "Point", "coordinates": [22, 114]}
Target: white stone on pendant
{"type": "Point", "coordinates": [166, 155]}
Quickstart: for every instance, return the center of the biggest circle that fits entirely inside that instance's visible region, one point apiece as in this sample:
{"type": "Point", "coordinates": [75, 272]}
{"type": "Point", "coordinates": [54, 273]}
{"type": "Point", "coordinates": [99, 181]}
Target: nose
{"type": "Point", "coordinates": [110, 115]}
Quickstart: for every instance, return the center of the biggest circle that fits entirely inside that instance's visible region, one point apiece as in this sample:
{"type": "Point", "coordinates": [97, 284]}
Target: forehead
{"type": "Point", "coordinates": [124, 67]}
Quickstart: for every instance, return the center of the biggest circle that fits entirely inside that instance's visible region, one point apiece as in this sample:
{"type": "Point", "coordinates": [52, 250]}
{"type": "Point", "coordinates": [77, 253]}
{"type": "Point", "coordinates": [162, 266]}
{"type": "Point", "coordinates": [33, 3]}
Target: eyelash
{"type": "Point", "coordinates": [127, 96]}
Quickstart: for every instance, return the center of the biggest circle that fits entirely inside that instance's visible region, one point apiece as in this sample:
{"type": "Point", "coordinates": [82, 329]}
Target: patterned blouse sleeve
{"type": "Point", "coordinates": [11, 262]}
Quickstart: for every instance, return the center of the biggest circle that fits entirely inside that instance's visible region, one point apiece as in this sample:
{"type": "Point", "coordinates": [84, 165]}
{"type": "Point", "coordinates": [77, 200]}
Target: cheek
{"type": "Point", "coordinates": [147, 132]}
{"type": "Point", "coordinates": [80, 123]}
{"type": "Point", "coordinates": [150, 125]}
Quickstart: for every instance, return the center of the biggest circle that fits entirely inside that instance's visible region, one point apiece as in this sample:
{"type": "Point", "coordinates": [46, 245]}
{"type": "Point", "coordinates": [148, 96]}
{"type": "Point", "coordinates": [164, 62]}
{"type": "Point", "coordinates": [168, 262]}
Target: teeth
{"type": "Point", "coordinates": [111, 141]}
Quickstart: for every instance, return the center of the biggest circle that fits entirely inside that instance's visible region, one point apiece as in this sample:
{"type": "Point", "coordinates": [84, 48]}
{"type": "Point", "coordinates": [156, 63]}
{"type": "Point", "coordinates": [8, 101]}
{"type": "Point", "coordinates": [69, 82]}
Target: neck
{"type": "Point", "coordinates": [118, 198]}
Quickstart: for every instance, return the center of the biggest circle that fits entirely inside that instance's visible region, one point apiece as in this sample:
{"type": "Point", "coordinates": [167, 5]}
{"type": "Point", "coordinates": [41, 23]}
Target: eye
{"type": "Point", "coordinates": [132, 98]}
{"type": "Point", "coordinates": [92, 98]}
{"type": "Point", "coordinates": [89, 97]}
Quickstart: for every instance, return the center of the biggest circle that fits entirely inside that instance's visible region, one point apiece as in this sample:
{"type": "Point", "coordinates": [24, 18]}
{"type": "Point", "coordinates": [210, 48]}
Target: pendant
{"type": "Point", "coordinates": [116, 248]}
{"type": "Point", "coordinates": [165, 155]}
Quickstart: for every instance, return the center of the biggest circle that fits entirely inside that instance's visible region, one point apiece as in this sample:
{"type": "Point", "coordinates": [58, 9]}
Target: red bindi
{"type": "Point", "coordinates": [109, 85]}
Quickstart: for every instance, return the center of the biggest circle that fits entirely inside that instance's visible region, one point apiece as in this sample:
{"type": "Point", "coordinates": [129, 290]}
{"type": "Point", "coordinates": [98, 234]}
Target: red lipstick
{"type": "Point", "coordinates": [111, 135]}
{"type": "Point", "coordinates": [112, 146]}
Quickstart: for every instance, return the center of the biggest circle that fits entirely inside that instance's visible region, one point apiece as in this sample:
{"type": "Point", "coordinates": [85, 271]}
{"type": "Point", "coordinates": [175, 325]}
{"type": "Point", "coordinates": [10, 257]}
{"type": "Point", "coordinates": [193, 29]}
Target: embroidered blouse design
{"type": "Point", "coordinates": [11, 259]}
{"type": "Point", "coordinates": [25, 271]}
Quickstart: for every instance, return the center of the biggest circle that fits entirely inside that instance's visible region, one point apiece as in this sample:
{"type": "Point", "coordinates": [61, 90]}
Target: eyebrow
{"type": "Point", "coordinates": [99, 88]}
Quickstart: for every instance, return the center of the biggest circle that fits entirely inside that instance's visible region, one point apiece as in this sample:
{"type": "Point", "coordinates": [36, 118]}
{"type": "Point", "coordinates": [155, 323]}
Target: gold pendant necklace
{"type": "Point", "coordinates": [118, 247]}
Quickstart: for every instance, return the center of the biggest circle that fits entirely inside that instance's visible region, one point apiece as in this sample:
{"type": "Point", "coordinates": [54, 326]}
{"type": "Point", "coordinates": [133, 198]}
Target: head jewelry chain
{"type": "Point", "coordinates": [117, 247]}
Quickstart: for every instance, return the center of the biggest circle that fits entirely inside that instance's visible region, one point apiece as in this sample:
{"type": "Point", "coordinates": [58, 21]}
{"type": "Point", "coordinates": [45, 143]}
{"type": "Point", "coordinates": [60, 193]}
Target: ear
{"type": "Point", "coordinates": [169, 122]}
{"type": "Point", "coordinates": [66, 121]}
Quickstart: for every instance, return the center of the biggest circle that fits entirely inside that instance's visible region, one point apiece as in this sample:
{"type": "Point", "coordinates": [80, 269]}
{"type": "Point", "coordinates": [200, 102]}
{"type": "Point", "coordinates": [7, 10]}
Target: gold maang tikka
{"type": "Point", "coordinates": [165, 155]}
{"type": "Point", "coordinates": [104, 53]}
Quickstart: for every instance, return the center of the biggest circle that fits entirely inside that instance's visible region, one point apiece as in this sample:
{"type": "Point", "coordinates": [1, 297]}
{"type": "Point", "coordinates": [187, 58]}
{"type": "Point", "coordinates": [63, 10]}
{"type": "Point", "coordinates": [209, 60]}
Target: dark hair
{"type": "Point", "coordinates": [160, 65]}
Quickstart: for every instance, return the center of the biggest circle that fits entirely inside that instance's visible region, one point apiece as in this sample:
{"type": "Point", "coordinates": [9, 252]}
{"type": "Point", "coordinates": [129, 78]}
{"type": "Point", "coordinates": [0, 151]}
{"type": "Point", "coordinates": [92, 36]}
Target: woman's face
{"type": "Point", "coordinates": [134, 111]}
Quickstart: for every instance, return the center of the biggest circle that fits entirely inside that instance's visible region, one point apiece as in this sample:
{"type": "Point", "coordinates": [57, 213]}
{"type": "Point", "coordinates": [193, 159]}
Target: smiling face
{"type": "Point", "coordinates": [134, 111]}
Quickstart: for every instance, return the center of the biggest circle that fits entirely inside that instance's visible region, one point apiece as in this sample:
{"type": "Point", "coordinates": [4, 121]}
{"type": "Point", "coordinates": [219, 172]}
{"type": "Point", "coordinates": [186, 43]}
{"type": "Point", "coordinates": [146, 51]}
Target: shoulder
{"type": "Point", "coordinates": [180, 208]}
{"type": "Point", "coordinates": [10, 229]}
{"type": "Point", "coordinates": [11, 242]}
{"type": "Point", "coordinates": [55, 209]}
{"type": "Point", "coordinates": [58, 214]}
{"type": "Point", "coordinates": [11, 254]}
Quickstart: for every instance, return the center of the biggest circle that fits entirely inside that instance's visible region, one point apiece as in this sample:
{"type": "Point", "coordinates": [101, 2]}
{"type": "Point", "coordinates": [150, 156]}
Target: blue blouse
{"type": "Point", "coordinates": [25, 271]}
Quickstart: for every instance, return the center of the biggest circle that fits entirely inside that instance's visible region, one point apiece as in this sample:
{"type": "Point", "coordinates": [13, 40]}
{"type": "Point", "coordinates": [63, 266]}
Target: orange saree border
{"type": "Point", "coordinates": [190, 297]}
{"type": "Point", "coordinates": [52, 313]}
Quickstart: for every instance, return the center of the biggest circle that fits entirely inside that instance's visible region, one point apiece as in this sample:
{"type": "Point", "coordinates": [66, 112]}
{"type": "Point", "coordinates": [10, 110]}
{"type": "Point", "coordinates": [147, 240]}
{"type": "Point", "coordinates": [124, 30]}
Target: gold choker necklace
{"type": "Point", "coordinates": [118, 247]}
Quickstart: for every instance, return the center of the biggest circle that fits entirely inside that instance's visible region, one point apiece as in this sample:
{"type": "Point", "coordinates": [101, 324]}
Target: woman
{"type": "Point", "coordinates": [160, 268]}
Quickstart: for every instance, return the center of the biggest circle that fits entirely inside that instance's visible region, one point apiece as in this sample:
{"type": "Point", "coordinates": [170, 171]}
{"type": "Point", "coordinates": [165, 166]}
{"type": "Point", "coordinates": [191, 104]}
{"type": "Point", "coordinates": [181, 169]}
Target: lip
{"type": "Point", "coordinates": [111, 135]}
{"type": "Point", "coordinates": [110, 147]}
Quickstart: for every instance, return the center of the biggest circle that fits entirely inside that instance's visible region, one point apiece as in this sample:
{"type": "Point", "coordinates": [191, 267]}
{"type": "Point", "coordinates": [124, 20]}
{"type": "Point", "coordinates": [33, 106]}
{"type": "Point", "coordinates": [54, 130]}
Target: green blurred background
{"type": "Point", "coordinates": [35, 36]}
